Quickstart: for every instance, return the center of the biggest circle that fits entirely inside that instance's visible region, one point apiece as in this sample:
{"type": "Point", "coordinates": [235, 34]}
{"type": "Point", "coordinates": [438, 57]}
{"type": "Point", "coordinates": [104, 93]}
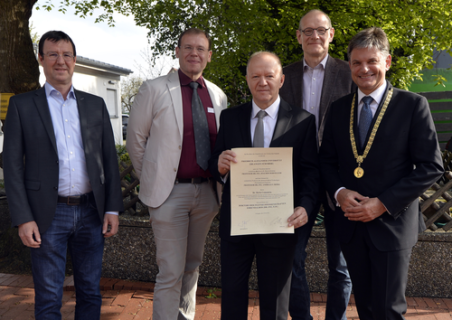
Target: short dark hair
{"type": "Point", "coordinates": [370, 38]}
{"type": "Point", "coordinates": [54, 36]}
{"type": "Point", "coordinates": [194, 31]}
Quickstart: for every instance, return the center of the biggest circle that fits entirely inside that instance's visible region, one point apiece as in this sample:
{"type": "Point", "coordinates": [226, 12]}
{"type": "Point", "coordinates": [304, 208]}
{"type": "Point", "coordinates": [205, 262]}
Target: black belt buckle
{"type": "Point", "coordinates": [76, 201]}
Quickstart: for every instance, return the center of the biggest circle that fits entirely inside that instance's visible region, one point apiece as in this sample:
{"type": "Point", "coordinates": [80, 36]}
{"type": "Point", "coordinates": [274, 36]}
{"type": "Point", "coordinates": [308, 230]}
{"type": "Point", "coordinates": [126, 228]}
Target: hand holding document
{"type": "Point", "coordinates": [261, 191]}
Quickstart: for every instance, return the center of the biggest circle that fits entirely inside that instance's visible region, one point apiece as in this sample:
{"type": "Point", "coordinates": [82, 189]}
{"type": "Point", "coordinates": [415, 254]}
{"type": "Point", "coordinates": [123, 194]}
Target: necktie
{"type": "Point", "coordinates": [365, 119]}
{"type": "Point", "coordinates": [200, 129]}
{"type": "Point", "coordinates": [259, 130]}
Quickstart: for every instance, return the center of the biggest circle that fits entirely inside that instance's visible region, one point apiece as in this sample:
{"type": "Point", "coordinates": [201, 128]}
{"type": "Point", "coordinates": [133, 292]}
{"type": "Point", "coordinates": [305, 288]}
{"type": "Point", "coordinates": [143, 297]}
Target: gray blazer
{"type": "Point", "coordinates": [30, 157]}
{"type": "Point", "coordinates": [336, 84]}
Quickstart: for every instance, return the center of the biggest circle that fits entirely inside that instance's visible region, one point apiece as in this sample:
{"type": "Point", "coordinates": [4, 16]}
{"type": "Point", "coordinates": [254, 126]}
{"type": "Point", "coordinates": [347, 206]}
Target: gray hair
{"type": "Point", "coordinates": [258, 53]}
{"type": "Point", "coordinates": [318, 11]}
{"type": "Point", "coordinates": [370, 38]}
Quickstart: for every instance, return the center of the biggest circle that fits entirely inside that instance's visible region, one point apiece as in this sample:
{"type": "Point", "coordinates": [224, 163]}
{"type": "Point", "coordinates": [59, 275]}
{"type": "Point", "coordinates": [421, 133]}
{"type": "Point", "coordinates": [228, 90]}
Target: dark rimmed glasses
{"type": "Point", "coordinates": [320, 30]}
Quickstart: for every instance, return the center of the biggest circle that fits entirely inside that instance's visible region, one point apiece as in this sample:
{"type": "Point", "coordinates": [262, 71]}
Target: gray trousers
{"type": "Point", "coordinates": [180, 228]}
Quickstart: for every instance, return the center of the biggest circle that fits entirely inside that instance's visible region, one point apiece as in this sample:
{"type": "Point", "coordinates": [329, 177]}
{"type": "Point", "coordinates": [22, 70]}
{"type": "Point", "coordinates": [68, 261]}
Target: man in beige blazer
{"type": "Point", "coordinates": [169, 143]}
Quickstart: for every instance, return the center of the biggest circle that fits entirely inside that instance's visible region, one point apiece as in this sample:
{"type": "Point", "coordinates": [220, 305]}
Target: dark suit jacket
{"type": "Point", "coordinates": [403, 162]}
{"type": "Point", "coordinates": [294, 128]}
{"type": "Point", "coordinates": [30, 157]}
{"type": "Point", "coordinates": [337, 82]}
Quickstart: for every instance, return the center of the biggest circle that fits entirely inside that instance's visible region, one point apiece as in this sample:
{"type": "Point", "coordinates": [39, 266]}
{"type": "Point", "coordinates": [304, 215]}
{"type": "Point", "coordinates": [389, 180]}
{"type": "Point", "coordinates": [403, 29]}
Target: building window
{"type": "Point", "coordinates": [112, 103]}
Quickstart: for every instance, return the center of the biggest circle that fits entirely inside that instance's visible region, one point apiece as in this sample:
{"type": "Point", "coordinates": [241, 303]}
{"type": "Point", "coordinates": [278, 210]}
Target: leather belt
{"type": "Point", "coordinates": [75, 200]}
{"type": "Point", "coordinates": [192, 180]}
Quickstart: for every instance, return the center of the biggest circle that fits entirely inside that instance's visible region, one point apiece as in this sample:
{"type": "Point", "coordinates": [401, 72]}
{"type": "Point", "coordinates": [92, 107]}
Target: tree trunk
{"type": "Point", "coordinates": [19, 69]}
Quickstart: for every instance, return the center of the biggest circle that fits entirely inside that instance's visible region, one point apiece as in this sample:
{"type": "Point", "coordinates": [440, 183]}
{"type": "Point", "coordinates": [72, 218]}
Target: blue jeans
{"type": "Point", "coordinates": [339, 283]}
{"type": "Point", "coordinates": [79, 229]}
{"type": "Point", "coordinates": [300, 297]}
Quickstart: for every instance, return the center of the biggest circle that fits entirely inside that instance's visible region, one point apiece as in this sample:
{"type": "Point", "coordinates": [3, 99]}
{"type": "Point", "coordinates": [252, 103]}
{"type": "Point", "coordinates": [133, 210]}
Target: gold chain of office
{"type": "Point", "coordinates": [359, 172]}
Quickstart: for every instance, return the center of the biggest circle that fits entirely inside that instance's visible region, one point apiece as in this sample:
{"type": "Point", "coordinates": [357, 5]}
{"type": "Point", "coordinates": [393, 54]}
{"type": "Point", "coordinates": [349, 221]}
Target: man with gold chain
{"type": "Point", "coordinates": [379, 153]}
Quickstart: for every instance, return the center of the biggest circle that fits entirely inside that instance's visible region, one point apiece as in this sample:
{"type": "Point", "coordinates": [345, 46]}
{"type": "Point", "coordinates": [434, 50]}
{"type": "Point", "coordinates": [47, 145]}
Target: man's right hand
{"type": "Point", "coordinates": [29, 234]}
{"type": "Point", "coordinates": [349, 198]}
{"type": "Point", "coordinates": [224, 161]}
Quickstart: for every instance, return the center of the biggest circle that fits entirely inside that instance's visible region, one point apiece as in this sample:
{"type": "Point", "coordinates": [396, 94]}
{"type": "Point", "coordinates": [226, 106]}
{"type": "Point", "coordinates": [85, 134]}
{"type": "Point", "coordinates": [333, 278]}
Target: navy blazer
{"type": "Point", "coordinates": [30, 157]}
{"type": "Point", "coordinates": [403, 162]}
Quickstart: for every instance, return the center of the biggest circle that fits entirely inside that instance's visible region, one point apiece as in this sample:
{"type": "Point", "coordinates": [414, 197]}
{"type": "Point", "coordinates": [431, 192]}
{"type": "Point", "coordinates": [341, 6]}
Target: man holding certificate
{"type": "Point", "coordinates": [267, 121]}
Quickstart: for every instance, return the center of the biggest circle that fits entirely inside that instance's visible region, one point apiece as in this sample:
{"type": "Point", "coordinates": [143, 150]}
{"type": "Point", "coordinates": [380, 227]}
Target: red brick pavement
{"type": "Point", "coordinates": [133, 300]}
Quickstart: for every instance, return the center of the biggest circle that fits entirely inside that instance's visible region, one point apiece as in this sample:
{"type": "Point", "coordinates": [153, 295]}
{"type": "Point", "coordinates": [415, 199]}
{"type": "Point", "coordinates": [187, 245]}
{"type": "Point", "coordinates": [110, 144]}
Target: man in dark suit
{"type": "Point", "coordinates": [312, 84]}
{"type": "Point", "coordinates": [282, 126]}
{"type": "Point", "coordinates": [379, 153]}
{"type": "Point", "coordinates": [62, 181]}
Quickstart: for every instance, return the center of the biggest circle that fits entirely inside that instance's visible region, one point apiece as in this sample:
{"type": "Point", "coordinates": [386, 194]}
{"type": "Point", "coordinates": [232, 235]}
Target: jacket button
{"type": "Point", "coordinates": [56, 188]}
{"type": "Point", "coordinates": [57, 162]}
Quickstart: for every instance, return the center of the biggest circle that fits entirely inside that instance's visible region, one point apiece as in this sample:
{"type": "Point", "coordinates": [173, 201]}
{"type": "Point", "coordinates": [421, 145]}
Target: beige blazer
{"type": "Point", "coordinates": [154, 134]}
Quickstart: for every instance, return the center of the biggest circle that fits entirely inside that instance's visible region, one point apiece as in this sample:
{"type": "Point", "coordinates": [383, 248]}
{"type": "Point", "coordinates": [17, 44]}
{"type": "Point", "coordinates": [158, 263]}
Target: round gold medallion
{"type": "Point", "coordinates": [359, 172]}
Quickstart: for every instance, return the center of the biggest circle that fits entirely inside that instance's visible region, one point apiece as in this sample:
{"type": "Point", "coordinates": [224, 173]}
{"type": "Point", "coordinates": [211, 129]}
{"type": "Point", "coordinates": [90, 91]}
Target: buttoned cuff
{"type": "Point", "coordinates": [335, 196]}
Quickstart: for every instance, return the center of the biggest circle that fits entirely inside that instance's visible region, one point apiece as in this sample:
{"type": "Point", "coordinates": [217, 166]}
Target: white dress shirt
{"type": "Point", "coordinates": [377, 95]}
{"type": "Point", "coordinates": [312, 87]}
{"type": "Point", "coordinates": [269, 121]}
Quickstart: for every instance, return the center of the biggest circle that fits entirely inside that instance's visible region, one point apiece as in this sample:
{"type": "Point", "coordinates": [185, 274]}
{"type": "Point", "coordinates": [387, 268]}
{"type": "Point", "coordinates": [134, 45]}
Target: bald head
{"type": "Point", "coordinates": [315, 13]}
{"type": "Point", "coordinates": [264, 77]}
{"type": "Point", "coordinates": [264, 53]}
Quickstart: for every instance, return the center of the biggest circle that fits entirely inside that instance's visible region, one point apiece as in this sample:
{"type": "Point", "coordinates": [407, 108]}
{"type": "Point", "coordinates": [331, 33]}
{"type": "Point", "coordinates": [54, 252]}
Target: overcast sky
{"type": "Point", "coordinates": [120, 45]}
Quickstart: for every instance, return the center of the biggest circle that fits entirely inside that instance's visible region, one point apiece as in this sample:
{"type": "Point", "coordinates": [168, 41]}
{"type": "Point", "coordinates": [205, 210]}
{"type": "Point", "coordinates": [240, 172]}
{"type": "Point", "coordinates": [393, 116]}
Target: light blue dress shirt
{"type": "Point", "coordinates": [73, 174]}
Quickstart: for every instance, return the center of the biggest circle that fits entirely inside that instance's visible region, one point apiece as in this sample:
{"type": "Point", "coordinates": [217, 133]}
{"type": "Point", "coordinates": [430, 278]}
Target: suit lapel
{"type": "Point", "coordinates": [282, 123]}
{"type": "Point", "coordinates": [297, 84]}
{"type": "Point", "coordinates": [329, 81]}
{"type": "Point", "coordinates": [215, 98]}
{"type": "Point", "coordinates": [43, 109]}
{"type": "Point", "coordinates": [374, 119]}
{"type": "Point", "coordinates": [83, 114]}
{"type": "Point", "coordinates": [245, 123]}
{"type": "Point", "coordinates": [174, 89]}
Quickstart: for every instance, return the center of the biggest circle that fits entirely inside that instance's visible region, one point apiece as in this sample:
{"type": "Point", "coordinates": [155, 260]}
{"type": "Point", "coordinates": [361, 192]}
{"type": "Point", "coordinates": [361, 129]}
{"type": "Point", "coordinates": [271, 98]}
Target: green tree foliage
{"type": "Point", "coordinates": [241, 27]}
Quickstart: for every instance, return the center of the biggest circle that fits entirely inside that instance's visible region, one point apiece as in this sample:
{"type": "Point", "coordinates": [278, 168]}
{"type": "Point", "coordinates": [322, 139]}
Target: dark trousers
{"type": "Point", "coordinates": [79, 229]}
{"type": "Point", "coordinates": [300, 296]}
{"type": "Point", "coordinates": [274, 267]}
{"type": "Point", "coordinates": [379, 278]}
{"type": "Point", "coordinates": [339, 282]}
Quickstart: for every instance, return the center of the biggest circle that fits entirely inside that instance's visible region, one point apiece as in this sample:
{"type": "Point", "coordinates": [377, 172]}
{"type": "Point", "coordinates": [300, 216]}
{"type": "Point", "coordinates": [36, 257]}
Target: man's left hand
{"type": "Point", "coordinates": [299, 218]}
{"type": "Point", "coordinates": [368, 210]}
{"type": "Point", "coordinates": [111, 220]}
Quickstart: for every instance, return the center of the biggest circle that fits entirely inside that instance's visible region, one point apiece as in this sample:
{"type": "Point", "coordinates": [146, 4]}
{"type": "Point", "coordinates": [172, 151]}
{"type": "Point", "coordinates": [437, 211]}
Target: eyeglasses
{"type": "Point", "coordinates": [320, 30]}
{"type": "Point", "coordinates": [53, 56]}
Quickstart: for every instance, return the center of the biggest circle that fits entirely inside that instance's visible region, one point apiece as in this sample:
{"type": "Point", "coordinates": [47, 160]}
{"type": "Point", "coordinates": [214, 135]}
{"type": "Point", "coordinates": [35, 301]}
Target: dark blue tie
{"type": "Point", "coordinates": [365, 119]}
{"type": "Point", "coordinates": [200, 129]}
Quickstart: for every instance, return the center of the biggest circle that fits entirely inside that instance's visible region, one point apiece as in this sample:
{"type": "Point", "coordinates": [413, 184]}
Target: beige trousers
{"type": "Point", "coordinates": [180, 228]}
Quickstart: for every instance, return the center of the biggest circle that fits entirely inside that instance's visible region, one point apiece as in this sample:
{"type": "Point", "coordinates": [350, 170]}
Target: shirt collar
{"type": "Point", "coordinates": [377, 94]}
{"type": "Point", "coordinates": [322, 64]}
{"type": "Point", "coordinates": [51, 90]}
{"type": "Point", "coordinates": [185, 80]}
{"type": "Point", "coordinates": [272, 110]}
